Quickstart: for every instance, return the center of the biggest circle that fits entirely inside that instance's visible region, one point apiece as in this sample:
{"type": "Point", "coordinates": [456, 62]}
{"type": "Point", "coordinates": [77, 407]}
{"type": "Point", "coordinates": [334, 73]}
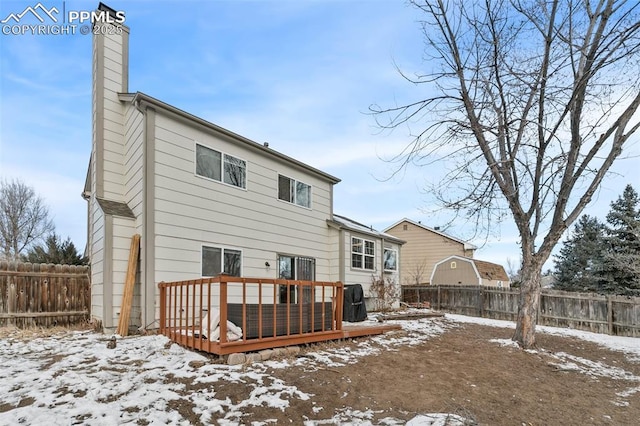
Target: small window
{"type": "Point", "coordinates": [363, 254]}
{"type": "Point", "coordinates": [405, 227]}
{"type": "Point", "coordinates": [390, 260]}
{"type": "Point", "coordinates": [217, 260]}
{"type": "Point", "coordinates": [453, 265]}
{"type": "Point", "coordinates": [235, 171]}
{"type": "Point", "coordinates": [220, 167]}
{"type": "Point", "coordinates": [294, 192]}
{"type": "Point", "coordinates": [208, 163]}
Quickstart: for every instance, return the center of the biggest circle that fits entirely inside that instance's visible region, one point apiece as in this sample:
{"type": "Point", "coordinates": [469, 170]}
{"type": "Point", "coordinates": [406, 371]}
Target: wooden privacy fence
{"type": "Point", "coordinates": [43, 295]}
{"type": "Point", "coordinates": [615, 315]}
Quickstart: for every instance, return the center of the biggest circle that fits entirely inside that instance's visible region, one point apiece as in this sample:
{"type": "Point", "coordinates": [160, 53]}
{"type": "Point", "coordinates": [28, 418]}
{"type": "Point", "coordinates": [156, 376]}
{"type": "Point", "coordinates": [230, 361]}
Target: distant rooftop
{"type": "Point", "coordinates": [467, 246]}
{"type": "Point", "coordinates": [345, 222]}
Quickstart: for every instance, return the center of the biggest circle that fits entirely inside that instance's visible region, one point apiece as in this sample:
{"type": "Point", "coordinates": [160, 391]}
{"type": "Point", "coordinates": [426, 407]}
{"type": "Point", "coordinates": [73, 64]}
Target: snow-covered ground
{"type": "Point", "coordinates": [73, 378]}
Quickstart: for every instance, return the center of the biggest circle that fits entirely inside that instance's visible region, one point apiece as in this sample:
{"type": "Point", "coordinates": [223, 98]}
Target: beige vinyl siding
{"type": "Point", "coordinates": [422, 250]}
{"type": "Point", "coordinates": [495, 283]}
{"type": "Point", "coordinates": [364, 277]}
{"type": "Point", "coordinates": [361, 276]}
{"type": "Point", "coordinates": [123, 230]}
{"type": "Point", "coordinates": [463, 274]}
{"type": "Point", "coordinates": [97, 259]}
{"type": "Point", "coordinates": [336, 267]}
{"type": "Point", "coordinates": [113, 118]}
{"type": "Point", "coordinates": [191, 211]}
{"type": "Point", "coordinates": [133, 162]}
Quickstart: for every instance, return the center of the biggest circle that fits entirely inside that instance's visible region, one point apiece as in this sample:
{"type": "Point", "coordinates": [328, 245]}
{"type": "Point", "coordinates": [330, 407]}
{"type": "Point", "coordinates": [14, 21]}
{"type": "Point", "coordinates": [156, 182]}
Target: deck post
{"type": "Point", "coordinates": [260, 309]}
{"type": "Point", "coordinates": [209, 317]}
{"type": "Point", "coordinates": [223, 309]}
{"type": "Point", "coordinates": [339, 305]}
{"type": "Point", "coordinates": [163, 307]}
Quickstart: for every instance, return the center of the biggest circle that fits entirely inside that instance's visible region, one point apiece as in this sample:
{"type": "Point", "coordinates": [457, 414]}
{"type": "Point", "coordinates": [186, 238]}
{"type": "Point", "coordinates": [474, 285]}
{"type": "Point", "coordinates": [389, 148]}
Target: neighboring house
{"type": "Point", "coordinates": [365, 255]}
{"type": "Point", "coordinates": [204, 200]}
{"type": "Point", "coordinates": [547, 281]}
{"type": "Point", "coordinates": [458, 270]}
{"type": "Point", "coordinates": [424, 247]}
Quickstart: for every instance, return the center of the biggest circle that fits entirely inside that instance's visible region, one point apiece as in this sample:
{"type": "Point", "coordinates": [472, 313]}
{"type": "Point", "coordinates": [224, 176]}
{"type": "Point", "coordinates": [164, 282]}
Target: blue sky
{"type": "Point", "coordinates": [299, 75]}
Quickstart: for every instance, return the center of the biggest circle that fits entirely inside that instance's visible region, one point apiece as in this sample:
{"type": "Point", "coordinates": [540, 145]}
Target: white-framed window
{"type": "Point", "coordinates": [293, 191]}
{"type": "Point", "coordinates": [454, 265]}
{"type": "Point", "coordinates": [363, 254]}
{"type": "Point", "coordinates": [218, 260]}
{"type": "Point", "coordinates": [221, 167]}
{"type": "Point", "coordinates": [390, 259]}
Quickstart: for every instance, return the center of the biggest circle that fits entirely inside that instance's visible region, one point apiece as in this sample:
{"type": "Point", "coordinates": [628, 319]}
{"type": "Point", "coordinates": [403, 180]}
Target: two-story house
{"type": "Point", "coordinates": [203, 199]}
{"type": "Point", "coordinates": [424, 248]}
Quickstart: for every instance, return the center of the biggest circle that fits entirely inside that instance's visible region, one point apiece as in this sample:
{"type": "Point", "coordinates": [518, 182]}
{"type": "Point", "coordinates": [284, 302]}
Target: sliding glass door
{"type": "Point", "coordinates": [296, 268]}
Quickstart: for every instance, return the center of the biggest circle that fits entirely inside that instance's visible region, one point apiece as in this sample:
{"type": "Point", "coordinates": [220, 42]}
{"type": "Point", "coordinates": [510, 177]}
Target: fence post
{"type": "Point", "coordinates": [438, 308]}
{"type": "Point", "coordinates": [610, 314]}
{"type": "Point", "coordinates": [481, 301]}
{"type": "Point", "coordinates": [11, 302]}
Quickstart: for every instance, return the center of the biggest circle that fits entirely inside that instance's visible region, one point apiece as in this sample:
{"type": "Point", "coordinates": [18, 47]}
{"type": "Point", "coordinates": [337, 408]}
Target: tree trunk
{"type": "Point", "coordinates": [528, 305]}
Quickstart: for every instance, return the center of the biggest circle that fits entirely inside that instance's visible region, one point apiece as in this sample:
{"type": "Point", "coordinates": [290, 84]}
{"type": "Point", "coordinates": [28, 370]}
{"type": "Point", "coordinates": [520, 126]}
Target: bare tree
{"type": "Point", "coordinates": [529, 102]}
{"type": "Point", "coordinates": [416, 273]}
{"type": "Point", "coordinates": [24, 218]}
{"type": "Point", "coordinates": [513, 271]}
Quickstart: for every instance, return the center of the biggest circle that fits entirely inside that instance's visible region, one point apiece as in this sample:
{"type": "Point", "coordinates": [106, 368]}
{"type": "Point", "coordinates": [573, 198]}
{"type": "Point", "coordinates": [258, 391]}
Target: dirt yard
{"type": "Point", "coordinates": [464, 373]}
{"type": "Point", "coordinates": [469, 370]}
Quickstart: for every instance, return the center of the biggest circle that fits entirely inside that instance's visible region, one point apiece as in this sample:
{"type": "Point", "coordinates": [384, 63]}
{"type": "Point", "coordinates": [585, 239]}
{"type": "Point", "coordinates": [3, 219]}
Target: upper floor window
{"type": "Point", "coordinates": [294, 191]}
{"type": "Point", "coordinates": [363, 253]}
{"type": "Point", "coordinates": [390, 259]}
{"type": "Point", "coordinates": [218, 260]}
{"type": "Point", "coordinates": [221, 167]}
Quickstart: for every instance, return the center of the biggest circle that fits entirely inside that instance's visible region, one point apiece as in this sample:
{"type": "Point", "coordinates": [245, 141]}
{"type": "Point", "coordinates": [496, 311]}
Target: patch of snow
{"type": "Point", "coordinates": [505, 342]}
{"type": "Point", "coordinates": [628, 345]}
{"type": "Point", "coordinates": [74, 378]}
{"type": "Point", "coordinates": [437, 419]}
{"type": "Point", "coordinates": [591, 368]}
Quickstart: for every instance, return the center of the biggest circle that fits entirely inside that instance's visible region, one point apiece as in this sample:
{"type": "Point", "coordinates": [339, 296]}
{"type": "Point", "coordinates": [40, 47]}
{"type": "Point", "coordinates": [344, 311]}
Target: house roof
{"type": "Point", "coordinates": [343, 222]}
{"type": "Point", "coordinates": [141, 98]}
{"type": "Point", "coordinates": [115, 208]}
{"type": "Point", "coordinates": [467, 246]}
{"type": "Point", "coordinates": [491, 271]}
{"type": "Point", "coordinates": [486, 270]}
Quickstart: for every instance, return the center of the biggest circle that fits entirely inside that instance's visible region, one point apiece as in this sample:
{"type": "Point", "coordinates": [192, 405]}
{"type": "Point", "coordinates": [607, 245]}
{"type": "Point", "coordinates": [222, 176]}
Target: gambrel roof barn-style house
{"type": "Point", "coordinates": [458, 270]}
{"type": "Point", "coordinates": [203, 199]}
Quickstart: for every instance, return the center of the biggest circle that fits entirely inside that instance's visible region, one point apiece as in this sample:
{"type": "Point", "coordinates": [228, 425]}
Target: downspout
{"type": "Point", "coordinates": [87, 198]}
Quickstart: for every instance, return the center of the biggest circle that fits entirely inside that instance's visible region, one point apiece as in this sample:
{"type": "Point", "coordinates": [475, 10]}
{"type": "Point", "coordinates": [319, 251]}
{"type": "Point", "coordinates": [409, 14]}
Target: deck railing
{"type": "Point", "coordinates": [270, 312]}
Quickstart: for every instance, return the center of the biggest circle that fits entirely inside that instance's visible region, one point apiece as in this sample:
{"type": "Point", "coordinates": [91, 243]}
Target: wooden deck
{"type": "Point", "coordinates": [270, 313]}
{"type": "Point", "coordinates": [183, 337]}
{"type": "Point", "coordinates": [354, 330]}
